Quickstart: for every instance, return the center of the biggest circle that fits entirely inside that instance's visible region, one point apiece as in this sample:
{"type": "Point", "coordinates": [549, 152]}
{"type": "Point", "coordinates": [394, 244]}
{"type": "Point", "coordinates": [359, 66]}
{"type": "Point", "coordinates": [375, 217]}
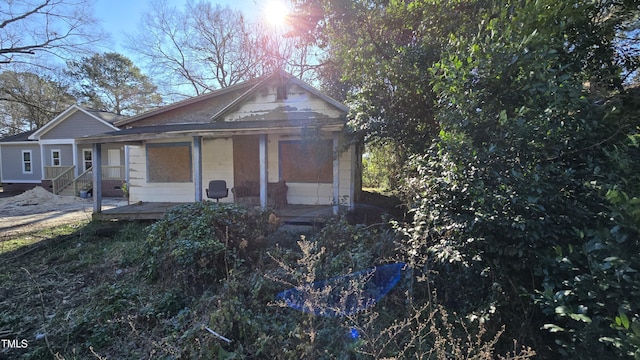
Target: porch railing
{"type": "Point", "coordinates": [63, 180]}
{"type": "Point", "coordinates": [52, 172]}
{"type": "Point", "coordinates": [84, 181]}
{"type": "Point", "coordinates": [113, 172]}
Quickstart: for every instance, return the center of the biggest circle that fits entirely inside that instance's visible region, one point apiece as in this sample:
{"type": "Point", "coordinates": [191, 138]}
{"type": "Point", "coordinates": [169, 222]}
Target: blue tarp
{"type": "Point", "coordinates": [344, 295]}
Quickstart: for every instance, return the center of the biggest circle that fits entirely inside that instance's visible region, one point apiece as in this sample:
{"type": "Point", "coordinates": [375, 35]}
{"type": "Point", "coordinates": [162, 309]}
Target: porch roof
{"type": "Point", "coordinates": [139, 134]}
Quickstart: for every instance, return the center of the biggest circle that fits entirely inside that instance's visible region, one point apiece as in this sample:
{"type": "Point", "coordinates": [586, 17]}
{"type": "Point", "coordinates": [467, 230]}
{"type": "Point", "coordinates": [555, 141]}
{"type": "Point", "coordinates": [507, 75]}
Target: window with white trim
{"type": "Point", "coordinates": [87, 158]}
{"type": "Point", "coordinates": [55, 158]}
{"type": "Point", "coordinates": [27, 164]}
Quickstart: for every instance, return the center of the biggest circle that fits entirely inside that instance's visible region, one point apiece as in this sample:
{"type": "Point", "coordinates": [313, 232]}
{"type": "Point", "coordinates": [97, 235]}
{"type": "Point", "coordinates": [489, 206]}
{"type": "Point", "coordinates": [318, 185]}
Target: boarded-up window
{"type": "Point", "coordinates": [169, 162]}
{"type": "Point", "coordinates": [306, 161]}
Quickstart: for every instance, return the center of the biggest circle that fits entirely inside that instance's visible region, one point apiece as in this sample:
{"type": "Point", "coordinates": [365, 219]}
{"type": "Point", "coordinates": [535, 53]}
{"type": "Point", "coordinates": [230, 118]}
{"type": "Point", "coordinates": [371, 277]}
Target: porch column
{"type": "Point", "coordinates": [263, 170]}
{"type": "Point", "coordinates": [336, 173]}
{"type": "Point", "coordinates": [74, 150]}
{"type": "Point", "coordinates": [42, 161]}
{"type": "Point", "coordinates": [126, 166]}
{"type": "Point", "coordinates": [197, 172]}
{"type": "Point", "coordinates": [97, 178]}
{"type": "Point", "coordinates": [353, 156]}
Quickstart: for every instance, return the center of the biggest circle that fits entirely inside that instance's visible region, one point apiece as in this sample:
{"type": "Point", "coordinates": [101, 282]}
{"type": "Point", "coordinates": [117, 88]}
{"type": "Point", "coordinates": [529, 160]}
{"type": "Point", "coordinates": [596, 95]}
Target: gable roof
{"type": "Point", "coordinates": [233, 96]}
{"type": "Point", "coordinates": [102, 116]}
{"type": "Point", "coordinates": [281, 76]}
{"type": "Point", "coordinates": [239, 88]}
{"type": "Point", "coordinates": [170, 121]}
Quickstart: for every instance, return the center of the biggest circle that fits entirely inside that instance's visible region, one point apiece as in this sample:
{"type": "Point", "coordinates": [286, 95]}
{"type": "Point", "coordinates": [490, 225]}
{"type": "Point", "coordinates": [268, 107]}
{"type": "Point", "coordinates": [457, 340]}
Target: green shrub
{"type": "Point", "coordinates": [193, 246]}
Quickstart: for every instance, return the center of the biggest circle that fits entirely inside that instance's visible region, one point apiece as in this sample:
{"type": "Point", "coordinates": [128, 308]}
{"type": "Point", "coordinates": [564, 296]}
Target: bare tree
{"type": "Point", "coordinates": [206, 47]}
{"type": "Point", "coordinates": [162, 44]}
{"type": "Point", "coordinates": [56, 27]}
{"type": "Point", "coordinates": [29, 99]}
{"type": "Point", "coordinates": [223, 44]}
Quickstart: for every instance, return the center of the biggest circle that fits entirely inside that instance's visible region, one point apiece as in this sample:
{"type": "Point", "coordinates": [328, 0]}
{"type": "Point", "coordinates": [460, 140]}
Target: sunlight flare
{"type": "Point", "coordinates": [276, 13]}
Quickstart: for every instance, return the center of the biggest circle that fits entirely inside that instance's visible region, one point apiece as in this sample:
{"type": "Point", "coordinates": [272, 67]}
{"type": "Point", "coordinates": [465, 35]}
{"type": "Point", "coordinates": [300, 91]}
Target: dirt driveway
{"type": "Point", "coordinates": [38, 209]}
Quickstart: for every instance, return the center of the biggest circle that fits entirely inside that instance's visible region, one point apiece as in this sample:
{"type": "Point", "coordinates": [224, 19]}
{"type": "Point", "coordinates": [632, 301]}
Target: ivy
{"type": "Point", "coordinates": [196, 244]}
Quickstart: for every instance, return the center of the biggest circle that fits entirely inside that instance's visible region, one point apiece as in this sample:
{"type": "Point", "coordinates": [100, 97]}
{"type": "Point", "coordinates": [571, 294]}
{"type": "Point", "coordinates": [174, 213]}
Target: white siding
{"type": "Point", "coordinates": [347, 169]}
{"type": "Point", "coordinates": [310, 193]}
{"type": "Point", "coordinates": [217, 164]}
{"type": "Point", "coordinates": [299, 104]}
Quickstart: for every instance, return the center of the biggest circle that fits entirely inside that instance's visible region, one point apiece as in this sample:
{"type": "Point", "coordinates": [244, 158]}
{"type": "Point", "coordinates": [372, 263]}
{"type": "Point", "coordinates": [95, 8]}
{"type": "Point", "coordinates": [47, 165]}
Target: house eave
{"type": "Point", "coordinates": [163, 133]}
{"type": "Point", "coordinates": [30, 142]}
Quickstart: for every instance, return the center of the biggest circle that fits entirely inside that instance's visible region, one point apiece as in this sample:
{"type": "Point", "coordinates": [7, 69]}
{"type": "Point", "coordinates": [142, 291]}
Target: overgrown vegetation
{"type": "Point", "coordinates": [517, 126]}
{"type": "Point", "coordinates": [136, 291]}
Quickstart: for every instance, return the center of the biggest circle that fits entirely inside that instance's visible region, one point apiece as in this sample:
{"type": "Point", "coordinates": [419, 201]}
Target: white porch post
{"type": "Point", "coordinates": [97, 178]}
{"type": "Point", "coordinates": [42, 160]}
{"type": "Point", "coordinates": [263, 170]}
{"type": "Point", "coordinates": [352, 176]}
{"type": "Point", "coordinates": [197, 173]}
{"type": "Point", "coordinates": [336, 173]}
{"type": "Point", "coordinates": [126, 168]}
{"type": "Point", "coordinates": [74, 150]}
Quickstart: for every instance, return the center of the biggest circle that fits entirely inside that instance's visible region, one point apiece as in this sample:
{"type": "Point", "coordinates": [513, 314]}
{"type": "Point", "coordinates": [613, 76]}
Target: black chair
{"type": "Point", "coordinates": [217, 190]}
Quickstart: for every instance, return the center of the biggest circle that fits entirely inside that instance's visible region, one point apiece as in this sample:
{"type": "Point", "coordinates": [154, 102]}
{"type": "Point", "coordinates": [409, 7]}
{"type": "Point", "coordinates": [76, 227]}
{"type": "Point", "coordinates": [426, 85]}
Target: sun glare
{"type": "Point", "coordinates": [276, 13]}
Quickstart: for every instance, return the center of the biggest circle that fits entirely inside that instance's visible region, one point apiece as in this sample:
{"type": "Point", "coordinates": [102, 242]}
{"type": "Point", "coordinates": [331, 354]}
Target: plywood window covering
{"type": "Point", "coordinates": [306, 161]}
{"type": "Point", "coordinates": [169, 162]}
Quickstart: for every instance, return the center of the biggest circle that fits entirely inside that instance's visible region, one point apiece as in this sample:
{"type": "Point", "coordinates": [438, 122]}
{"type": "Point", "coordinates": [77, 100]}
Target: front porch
{"type": "Point", "coordinates": [289, 214]}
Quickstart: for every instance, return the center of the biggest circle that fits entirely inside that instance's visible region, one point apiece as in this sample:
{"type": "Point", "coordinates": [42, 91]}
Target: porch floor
{"type": "Point", "coordinates": [289, 214]}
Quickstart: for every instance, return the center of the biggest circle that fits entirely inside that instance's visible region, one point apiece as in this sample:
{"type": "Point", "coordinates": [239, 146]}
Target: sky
{"type": "Point", "coordinates": [121, 16]}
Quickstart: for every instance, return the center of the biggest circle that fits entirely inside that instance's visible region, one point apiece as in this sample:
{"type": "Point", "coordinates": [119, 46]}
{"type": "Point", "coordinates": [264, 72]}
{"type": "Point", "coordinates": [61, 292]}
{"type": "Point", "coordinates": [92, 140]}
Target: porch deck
{"type": "Point", "coordinates": [289, 214]}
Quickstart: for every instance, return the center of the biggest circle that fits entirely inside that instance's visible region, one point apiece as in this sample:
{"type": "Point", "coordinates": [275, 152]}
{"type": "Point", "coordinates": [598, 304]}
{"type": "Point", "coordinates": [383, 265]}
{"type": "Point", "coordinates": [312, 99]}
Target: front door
{"type": "Point", "coordinates": [114, 171]}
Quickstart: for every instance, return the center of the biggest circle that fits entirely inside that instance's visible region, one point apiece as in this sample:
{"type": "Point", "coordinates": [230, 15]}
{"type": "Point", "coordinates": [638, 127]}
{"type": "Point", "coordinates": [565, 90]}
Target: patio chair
{"type": "Point", "coordinates": [217, 190]}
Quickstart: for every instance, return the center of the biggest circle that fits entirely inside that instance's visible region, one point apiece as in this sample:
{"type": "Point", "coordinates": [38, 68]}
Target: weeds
{"type": "Point", "coordinates": [395, 328]}
{"type": "Point", "coordinates": [95, 302]}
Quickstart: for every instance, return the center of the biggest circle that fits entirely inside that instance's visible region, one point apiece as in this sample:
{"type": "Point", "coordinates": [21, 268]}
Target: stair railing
{"type": "Point", "coordinates": [63, 180]}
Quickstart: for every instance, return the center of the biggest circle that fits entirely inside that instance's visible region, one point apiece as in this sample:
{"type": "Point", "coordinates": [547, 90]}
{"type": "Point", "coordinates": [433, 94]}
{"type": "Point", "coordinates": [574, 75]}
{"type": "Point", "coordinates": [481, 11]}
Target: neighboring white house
{"type": "Point", "coordinates": [51, 158]}
{"type": "Point", "coordinates": [272, 139]}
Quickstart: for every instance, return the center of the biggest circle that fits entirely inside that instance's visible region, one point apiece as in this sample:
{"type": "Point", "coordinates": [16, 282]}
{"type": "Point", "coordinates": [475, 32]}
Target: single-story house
{"type": "Point", "coordinates": [50, 157]}
{"type": "Point", "coordinates": [274, 141]}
